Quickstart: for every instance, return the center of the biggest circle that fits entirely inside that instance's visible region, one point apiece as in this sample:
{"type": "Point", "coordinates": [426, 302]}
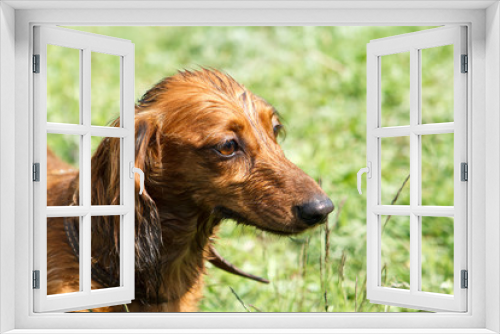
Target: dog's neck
{"type": "Point", "coordinates": [185, 243]}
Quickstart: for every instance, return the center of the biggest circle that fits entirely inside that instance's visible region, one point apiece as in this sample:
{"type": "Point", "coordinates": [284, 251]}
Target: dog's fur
{"type": "Point", "coordinates": [185, 126]}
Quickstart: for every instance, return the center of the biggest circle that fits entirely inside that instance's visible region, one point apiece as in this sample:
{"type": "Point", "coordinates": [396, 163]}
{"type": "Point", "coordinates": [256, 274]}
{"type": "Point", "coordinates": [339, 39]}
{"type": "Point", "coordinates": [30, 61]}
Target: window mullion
{"type": "Point", "coordinates": [415, 155]}
{"type": "Point", "coordinates": [85, 171]}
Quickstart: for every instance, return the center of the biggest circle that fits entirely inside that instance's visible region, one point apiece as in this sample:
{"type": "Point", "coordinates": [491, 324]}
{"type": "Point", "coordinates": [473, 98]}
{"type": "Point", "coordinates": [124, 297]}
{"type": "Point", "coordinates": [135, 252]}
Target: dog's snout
{"type": "Point", "coordinates": [315, 210]}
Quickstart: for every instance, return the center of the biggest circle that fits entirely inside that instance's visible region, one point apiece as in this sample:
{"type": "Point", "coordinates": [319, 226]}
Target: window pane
{"type": "Point", "coordinates": [437, 169]}
{"type": "Point", "coordinates": [105, 169]}
{"type": "Point", "coordinates": [105, 88]}
{"type": "Point", "coordinates": [63, 161]}
{"type": "Point", "coordinates": [437, 84]}
{"type": "Point", "coordinates": [437, 254]}
{"type": "Point", "coordinates": [105, 252]}
{"type": "Point", "coordinates": [395, 170]}
{"type": "Point", "coordinates": [395, 89]}
{"type": "Point", "coordinates": [395, 247]}
{"type": "Point", "coordinates": [63, 85]}
{"type": "Point", "coordinates": [63, 264]}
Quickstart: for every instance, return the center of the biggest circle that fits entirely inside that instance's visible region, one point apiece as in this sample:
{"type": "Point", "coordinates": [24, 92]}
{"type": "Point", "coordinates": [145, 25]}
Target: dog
{"type": "Point", "coordinates": [209, 150]}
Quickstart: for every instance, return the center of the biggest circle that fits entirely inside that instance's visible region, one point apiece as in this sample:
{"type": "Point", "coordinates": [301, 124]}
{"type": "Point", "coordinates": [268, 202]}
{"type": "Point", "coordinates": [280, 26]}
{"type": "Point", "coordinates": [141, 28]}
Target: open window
{"type": "Point", "coordinates": [17, 214]}
{"type": "Point", "coordinates": [76, 123]}
{"type": "Point", "coordinates": [406, 128]}
{"type": "Point", "coordinates": [434, 143]}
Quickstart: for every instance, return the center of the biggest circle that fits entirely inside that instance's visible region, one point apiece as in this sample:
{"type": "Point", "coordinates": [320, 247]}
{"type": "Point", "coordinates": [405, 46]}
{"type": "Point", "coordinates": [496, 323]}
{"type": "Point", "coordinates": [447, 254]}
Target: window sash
{"type": "Point", "coordinates": [86, 297]}
{"type": "Point", "coordinates": [414, 298]}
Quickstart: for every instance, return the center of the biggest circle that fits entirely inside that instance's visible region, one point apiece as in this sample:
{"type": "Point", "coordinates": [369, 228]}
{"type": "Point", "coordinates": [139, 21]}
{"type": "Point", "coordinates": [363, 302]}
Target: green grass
{"type": "Point", "coordinates": [316, 78]}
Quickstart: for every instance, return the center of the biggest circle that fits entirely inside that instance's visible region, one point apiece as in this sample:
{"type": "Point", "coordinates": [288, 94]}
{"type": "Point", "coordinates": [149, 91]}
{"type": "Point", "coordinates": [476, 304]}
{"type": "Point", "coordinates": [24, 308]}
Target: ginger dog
{"type": "Point", "coordinates": [209, 150]}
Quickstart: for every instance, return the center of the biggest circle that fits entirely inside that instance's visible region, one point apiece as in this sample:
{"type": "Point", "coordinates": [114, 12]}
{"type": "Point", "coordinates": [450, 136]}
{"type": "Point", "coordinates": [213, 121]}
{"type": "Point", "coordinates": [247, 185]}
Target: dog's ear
{"type": "Point", "coordinates": [105, 190]}
{"type": "Point", "coordinates": [147, 217]}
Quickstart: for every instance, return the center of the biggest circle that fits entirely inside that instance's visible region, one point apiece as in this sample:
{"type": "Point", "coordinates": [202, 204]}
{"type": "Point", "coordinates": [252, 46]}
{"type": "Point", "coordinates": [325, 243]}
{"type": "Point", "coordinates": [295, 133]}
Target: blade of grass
{"type": "Point", "coordinates": [341, 267]}
{"type": "Point", "coordinates": [255, 308]}
{"type": "Point", "coordinates": [239, 299]}
{"type": "Point", "coordinates": [327, 242]}
{"type": "Point", "coordinates": [339, 211]}
{"type": "Point", "coordinates": [322, 282]}
{"type": "Point", "coordinates": [327, 255]}
{"type": "Point", "coordinates": [363, 298]}
{"type": "Point", "coordinates": [341, 276]}
{"type": "Point", "coordinates": [356, 295]}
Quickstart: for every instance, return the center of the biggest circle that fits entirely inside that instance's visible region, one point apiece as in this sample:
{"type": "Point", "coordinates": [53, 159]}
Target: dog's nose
{"type": "Point", "coordinates": [315, 210]}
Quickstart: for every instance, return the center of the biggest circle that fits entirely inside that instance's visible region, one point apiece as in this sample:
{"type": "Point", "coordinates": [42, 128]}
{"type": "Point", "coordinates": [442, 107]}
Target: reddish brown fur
{"type": "Point", "coordinates": [180, 124]}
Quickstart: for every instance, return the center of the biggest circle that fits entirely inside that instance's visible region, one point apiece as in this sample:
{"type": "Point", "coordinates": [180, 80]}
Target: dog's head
{"type": "Point", "coordinates": [208, 144]}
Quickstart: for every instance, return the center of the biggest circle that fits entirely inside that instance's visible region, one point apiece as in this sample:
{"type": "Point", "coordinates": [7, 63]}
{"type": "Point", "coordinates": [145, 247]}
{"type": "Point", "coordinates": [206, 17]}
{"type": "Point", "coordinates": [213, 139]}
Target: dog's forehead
{"type": "Point", "coordinates": [256, 108]}
{"type": "Point", "coordinates": [251, 119]}
{"type": "Point", "coordinates": [213, 104]}
{"type": "Point", "coordinates": [249, 113]}
{"type": "Point", "coordinates": [220, 83]}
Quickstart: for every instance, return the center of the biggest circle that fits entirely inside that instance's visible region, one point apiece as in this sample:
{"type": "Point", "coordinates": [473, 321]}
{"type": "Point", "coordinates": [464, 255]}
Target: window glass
{"type": "Point", "coordinates": [106, 170]}
{"type": "Point", "coordinates": [395, 89]}
{"type": "Point", "coordinates": [437, 84]}
{"type": "Point", "coordinates": [105, 88]}
{"type": "Point", "coordinates": [63, 264]}
{"type": "Point", "coordinates": [395, 170]}
{"type": "Point", "coordinates": [106, 238]}
{"type": "Point", "coordinates": [63, 164]}
{"type": "Point", "coordinates": [437, 254]}
{"type": "Point", "coordinates": [437, 169]}
{"type": "Point", "coordinates": [395, 257]}
{"type": "Point", "coordinates": [63, 84]}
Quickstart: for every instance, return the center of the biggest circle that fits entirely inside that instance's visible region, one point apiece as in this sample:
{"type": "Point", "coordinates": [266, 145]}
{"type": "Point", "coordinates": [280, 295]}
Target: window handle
{"type": "Point", "coordinates": [368, 171]}
{"type": "Point", "coordinates": [141, 176]}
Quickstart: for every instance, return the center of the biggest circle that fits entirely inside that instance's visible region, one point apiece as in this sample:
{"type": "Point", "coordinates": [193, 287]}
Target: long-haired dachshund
{"type": "Point", "coordinates": [209, 150]}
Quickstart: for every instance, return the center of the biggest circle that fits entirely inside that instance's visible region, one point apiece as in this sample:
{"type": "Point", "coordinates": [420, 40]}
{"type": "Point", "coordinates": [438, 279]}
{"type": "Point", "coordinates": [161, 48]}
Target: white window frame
{"type": "Point", "coordinates": [483, 20]}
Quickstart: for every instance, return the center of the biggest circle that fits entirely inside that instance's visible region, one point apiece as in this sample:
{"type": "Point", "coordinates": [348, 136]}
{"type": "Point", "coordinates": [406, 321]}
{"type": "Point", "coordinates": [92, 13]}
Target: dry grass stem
{"type": "Point", "coordinates": [239, 299]}
{"type": "Point", "coordinates": [363, 299]}
{"type": "Point", "coordinates": [356, 295]}
{"type": "Point", "coordinates": [255, 308]}
{"type": "Point", "coordinates": [337, 214]}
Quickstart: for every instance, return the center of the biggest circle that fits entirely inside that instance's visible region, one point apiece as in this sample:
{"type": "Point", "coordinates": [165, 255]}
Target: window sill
{"type": "Point", "coordinates": [252, 331]}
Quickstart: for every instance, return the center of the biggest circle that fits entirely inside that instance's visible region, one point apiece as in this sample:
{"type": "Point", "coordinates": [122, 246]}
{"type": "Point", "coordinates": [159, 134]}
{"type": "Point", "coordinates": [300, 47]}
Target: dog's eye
{"type": "Point", "coordinates": [277, 129]}
{"type": "Point", "coordinates": [227, 148]}
{"type": "Point", "coordinates": [277, 126]}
